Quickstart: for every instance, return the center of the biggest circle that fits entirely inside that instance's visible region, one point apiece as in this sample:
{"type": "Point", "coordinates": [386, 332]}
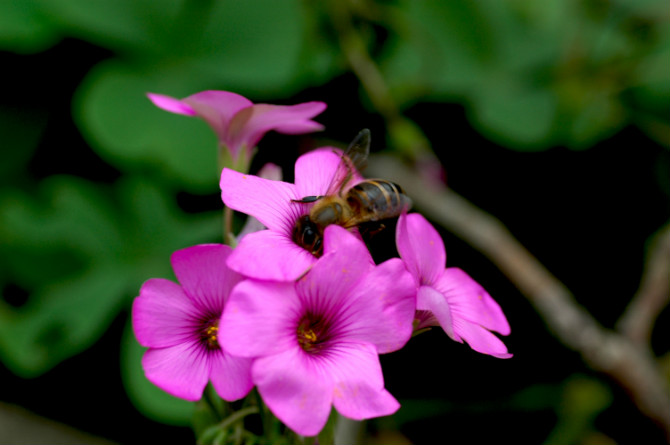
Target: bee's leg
{"type": "Point", "coordinates": [308, 199]}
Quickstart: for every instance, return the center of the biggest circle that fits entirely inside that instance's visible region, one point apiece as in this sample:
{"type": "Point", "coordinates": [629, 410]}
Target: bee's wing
{"type": "Point", "coordinates": [354, 158]}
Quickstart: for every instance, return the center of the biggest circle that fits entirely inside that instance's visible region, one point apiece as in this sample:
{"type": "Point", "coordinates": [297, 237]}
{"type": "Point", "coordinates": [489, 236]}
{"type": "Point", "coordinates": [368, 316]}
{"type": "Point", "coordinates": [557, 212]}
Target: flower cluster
{"type": "Point", "coordinates": [305, 330]}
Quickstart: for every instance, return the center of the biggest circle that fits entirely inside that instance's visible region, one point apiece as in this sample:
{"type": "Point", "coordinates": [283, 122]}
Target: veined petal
{"type": "Point", "coordinates": [250, 124]}
{"type": "Point", "coordinates": [261, 318]}
{"type": "Point", "coordinates": [296, 389]}
{"type": "Point", "coordinates": [431, 300]}
{"type": "Point", "coordinates": [163, 314]}
{"type": "Point", "coordinates": [469, 301]}
{"type": "Point", "coordinates": [266, 200]}
{"type": "Point", "coordinates": [204, 276]}
{"type": "Point", "coordinates": [268, 255]}
{"type": "Point", "coordinates": [380, 308]}
{"type": "Point", "coordinates": [328, 283]}
{"type": "Point", "coordinates": [420, 247]}
{"type": "Point", "coordinates": [230, 376]}
{"type": "Point", "coordinates": [181, 370]}
{"type": "Point", "coordinates": [171, 104]}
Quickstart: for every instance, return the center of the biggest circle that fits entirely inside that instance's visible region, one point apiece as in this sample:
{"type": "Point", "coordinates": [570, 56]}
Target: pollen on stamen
{"type": "Point", "coordinates": [210, 334]}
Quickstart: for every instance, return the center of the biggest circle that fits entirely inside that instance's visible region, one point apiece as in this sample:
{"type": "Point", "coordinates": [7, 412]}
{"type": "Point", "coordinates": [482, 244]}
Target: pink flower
{"type": "Point", "coordinates": [316, 341]}
{"type": "Point", "coordinates": [238, 123]}
{"type": "Point", "coordinates": [180, 326]}
{"type": "Point", "coordinates": [273, 254]}
{"type": "Point", "coordinates": [449, 297]}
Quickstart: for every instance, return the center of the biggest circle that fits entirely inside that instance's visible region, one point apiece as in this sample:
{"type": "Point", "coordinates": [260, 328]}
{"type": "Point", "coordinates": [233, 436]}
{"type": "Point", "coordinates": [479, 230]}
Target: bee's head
{"type": "Point", "coordinates": [308, 235]}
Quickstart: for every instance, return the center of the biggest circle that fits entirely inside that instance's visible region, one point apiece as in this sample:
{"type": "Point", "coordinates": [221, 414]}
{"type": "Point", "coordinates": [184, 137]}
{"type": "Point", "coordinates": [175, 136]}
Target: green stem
{"type": "Point", "coordinates": [237, 416]}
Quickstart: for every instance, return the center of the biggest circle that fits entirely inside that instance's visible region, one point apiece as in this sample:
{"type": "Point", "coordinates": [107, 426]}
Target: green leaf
{"type": "Point", "coordinates": [150, 400]}
{"type": "Point", "coordinates": [25, 28]}
{"type": "Point", "coordinates": [253, 47]}
{"type": "Point", "coordinates": [81, 252]}
{"type": "Point", "coordinates": [122, 25]}
{"type": "Point", "coordinates": [515, 115]}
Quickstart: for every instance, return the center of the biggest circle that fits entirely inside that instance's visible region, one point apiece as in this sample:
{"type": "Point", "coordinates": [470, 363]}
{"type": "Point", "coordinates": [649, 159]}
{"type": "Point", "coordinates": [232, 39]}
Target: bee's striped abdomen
{"type": "Point", "coordinates": [377, 199]}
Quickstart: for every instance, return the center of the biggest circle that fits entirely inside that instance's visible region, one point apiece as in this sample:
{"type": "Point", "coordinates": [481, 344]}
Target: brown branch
{"type": "Point", "coordinates": [604, 350]}
{"type": "Point", "coordinates": [653, 294]}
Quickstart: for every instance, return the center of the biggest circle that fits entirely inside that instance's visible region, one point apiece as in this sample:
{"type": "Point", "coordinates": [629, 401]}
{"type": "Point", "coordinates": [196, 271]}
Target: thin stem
{"type": "Point", "coordinates": [237, 416]}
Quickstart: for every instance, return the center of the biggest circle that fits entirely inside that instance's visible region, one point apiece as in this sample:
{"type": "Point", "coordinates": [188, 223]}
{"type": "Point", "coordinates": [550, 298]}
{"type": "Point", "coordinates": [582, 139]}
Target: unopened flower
{"type": "Point", "coordinates": [180, 324]}
{"type": "Point", "coordinates": [273, 254]}
{"type": "Point", "coordinates": [316, 341]}
{"type": "Point", "coordinates": [238, 123]}
{"type": "Point", "coordinates": [449, 297]}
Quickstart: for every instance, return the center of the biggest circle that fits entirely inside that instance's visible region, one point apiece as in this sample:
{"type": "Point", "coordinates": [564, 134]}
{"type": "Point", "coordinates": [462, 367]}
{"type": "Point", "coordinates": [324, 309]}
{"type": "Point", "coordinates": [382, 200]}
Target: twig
{"type": "Point", "coordinates": [604, 350]}
{"type": "Point", "coordinates": [653, 294]}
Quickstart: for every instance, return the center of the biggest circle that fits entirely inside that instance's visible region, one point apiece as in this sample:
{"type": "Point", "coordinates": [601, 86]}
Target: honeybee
{"type": "Point", "coordinates": [369, 201]}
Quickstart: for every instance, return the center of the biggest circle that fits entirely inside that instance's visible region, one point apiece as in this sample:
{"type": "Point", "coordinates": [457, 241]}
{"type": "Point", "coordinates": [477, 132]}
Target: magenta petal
{"type": "Point", "coordinates": [162, 314]}
{"type": "Point", "coordinates": [171, 104]}
{"type": "Point", "coordinates": [266, 200]}
{"type": "Point", "coordinates": [203, 273]}
{"type": "Point", "coordinates": [480, 339]}
{"type": "Point", "coordinates": [218, 108]}
{"type": "Point", "coordinates": [314, 171]}
{"type": "Point", "coordinates": [420, 247]}
{"type": "Point", "coordinates": [336, 238]}
{"type": "Point", "coordinates": [296, 389]}
{"type": "Point", "coordinates": [249, 126]}
{"type": "Point", "coordinates": [430, 300]}
{"type": "Point", "coordinates": [230, 376]}
{"type": "Point", "coordinates": [468, 300]}
{"type": "Point", "coordinates": [181, 370]}
{"type": "Point", "coordinates": [268, 255]}
{"type": "Point", "coordinates": [359, 384]}
{"type": "Point", "coordinates": [360, 402]}
{"type": "Point", "coordinates": [380, 309]}
{"type": "Point", "coordinates": [259, 319]}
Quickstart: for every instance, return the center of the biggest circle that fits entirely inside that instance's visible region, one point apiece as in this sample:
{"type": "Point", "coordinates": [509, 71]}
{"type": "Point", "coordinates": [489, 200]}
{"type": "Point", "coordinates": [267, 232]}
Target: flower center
{"type": "Point", "coordinates": [209, 333]}
{"type": "Point", "coordinates": [312, 334]}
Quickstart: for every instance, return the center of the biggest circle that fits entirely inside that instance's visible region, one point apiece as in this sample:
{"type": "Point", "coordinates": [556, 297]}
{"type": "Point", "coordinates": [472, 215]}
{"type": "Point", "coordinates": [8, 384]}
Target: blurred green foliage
{"type": "Point", "coordinates": [531, 74]}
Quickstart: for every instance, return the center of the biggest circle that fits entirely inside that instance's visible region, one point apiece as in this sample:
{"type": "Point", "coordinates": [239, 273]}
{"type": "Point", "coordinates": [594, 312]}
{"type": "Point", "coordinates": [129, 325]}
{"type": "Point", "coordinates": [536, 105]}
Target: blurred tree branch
{"type": "Point", "coordinates": [615, 354]}
{"type": "Point", "coordinates": [654, 292]}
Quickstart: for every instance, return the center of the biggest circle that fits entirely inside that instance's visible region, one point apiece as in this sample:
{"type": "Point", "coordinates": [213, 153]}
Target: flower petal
{"type": "Point", "coordinates": [249, 125]}
{"type": "Point", "coordinates": [468, 300]}
{"type": "Point", "coordinates": [380, 308]}
{"type": "Point", "coordinates": [162, 314]}
{"type": "Point", "coordinates": [315, 172]}
{"type": "Point", "coordinates": [181, 370]}
{"type": "Point", "coordinates": [230, 376]}
{"type": "Point", "coordinates": [268, 171]}
{"type": "Point", "coordinates": [203, 274]}
{"type": "Point", "coordinates": [420, 247]}
{"type": "Point", "coordinates": [296, 389]}
{"type": "Point", "coordinates": [259, 319]}
{"type": "Point", "coordinates": [480, 339]}
{"type": "Point", "coordinates": [359, 383]}
{"type": "Point", "coordinates": [171, 104]}
{"type": "Point", "coordinates": [268, 201]}
{"type": "Point", "coordinates": [218, 108]}
{"type": "Point", "coordinates": [268, 255]}
{"type": "Point", "coordinates": [431, 300]}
